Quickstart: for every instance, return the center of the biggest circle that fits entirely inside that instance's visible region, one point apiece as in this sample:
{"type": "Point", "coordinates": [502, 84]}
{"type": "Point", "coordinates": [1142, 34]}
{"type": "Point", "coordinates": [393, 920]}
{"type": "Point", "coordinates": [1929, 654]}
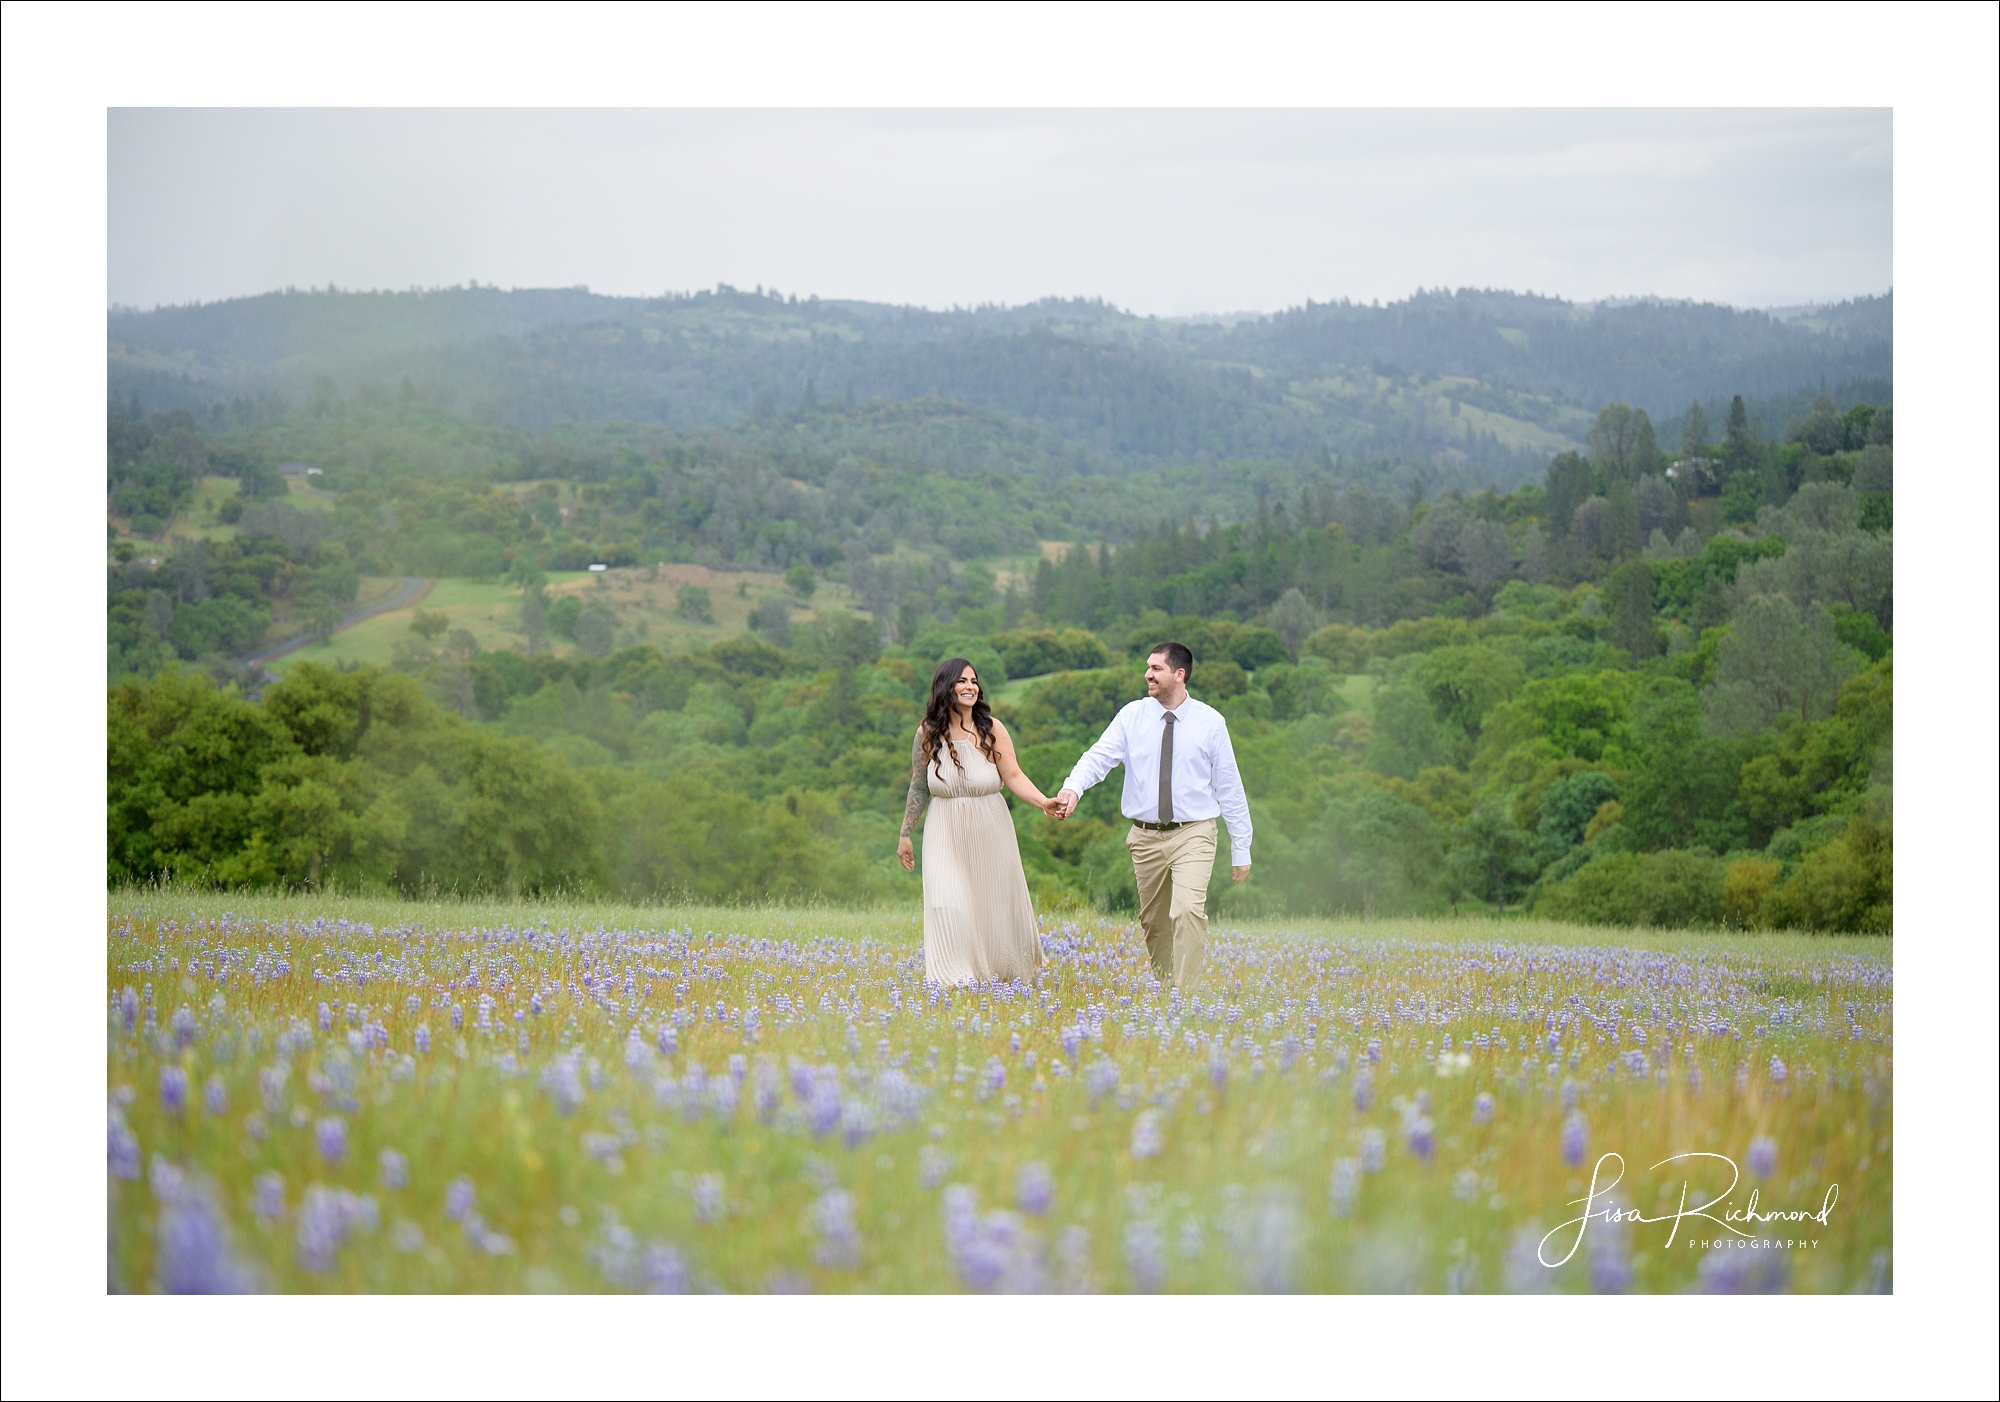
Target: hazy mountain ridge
{"type": "Point", "coordinates": [1340, 378]}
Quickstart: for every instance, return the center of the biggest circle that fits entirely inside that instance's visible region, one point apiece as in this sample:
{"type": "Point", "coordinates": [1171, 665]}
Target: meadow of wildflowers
{"type": "Point", "coordinates": [326, 1095]}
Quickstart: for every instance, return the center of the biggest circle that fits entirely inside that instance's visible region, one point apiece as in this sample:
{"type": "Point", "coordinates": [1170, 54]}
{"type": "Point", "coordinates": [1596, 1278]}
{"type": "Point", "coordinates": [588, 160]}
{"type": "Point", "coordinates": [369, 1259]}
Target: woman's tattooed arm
{"type": "Point", "coordinates": [920, 789]}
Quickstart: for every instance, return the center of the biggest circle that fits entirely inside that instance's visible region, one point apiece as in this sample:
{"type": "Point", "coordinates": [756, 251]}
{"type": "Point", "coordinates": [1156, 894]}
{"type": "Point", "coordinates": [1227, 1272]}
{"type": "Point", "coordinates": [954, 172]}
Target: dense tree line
{"type": "Point", "coordinates": [1699, 736]}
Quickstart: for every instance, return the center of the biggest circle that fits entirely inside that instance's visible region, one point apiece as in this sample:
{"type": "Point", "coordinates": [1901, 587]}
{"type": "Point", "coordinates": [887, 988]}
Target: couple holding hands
{"type": "Point", "coordinates": [1180, 776]}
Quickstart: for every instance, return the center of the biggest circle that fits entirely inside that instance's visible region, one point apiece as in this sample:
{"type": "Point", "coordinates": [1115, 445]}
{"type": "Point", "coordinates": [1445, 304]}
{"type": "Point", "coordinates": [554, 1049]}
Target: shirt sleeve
{"type": "Point", "coordinates": [1100, 759]}
{"type": "Point", "coordinates": [1229, 795]}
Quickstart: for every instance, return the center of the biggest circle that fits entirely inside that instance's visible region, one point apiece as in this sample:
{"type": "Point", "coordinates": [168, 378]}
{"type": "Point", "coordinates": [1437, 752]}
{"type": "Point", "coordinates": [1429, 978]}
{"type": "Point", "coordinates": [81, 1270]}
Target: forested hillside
{"type": "Point", "coordinates": [1483, 385]}
{"type": "Point", "coordinates": [1648, 681]}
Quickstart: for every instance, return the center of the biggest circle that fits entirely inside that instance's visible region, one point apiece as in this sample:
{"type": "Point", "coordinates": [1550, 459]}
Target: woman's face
{"type": "Point", "coordinates": [966, 689]}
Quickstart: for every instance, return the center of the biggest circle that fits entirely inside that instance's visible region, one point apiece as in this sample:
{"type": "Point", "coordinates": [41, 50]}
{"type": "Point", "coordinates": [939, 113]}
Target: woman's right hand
{"type": "Point", "coordinates": [906, 852]}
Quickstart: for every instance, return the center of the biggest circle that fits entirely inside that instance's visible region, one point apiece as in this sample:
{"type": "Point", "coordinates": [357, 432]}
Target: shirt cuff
{"type": "Point", "coordinates": [1239, 856]}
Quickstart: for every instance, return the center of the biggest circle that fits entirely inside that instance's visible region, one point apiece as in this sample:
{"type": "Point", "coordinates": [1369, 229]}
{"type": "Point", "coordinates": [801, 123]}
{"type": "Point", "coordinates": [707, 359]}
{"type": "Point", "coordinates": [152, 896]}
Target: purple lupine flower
{"type": "Point", "coordinates": [459, 1198]}
{"type": "Point", "coordinates": [1072, 1041]}
{"type": "Point", "coordinates": [1569, 1095]}
{"type": "Point", "coordinates": [709, 1202]}
{"type": "Point", "coordinates": [1035, 1189]}
{"type": "Point", "coordinates": [193, 1251]}
{"type": "Point", "coordinates": [767, 1093]}
{"type": "Point", "coordinates": [215, 1096]}
{"type": "Point", "coordinates": [562, 1078]}
{"type": "Point", "coordinates": [1148, 1139]}
{"type": "Point", "coordinates": [1345, 1186]}
{"type": "Point", "coordinates": [722, 1097]}
{"type": "Point", "coordinates": [1420, 1135]}
{"type": "Point", "coordinates": [423, 1039]}
{"type": "Point", "coordinates": [395, 1169]}
{"type": "Point", "coordinates": [325, 1018]}
{"type": "Point", "coordinates": [1610, 1256]}
{"type": "Point", "coordinates": [993, 1251]}
{"type": "Point", "coordinates": [457, 1017]}
{"type": "Point", "coordinates": [327, 1218]}
{"type": "Point", "coordinates": [1146, 1256]}
{"type": "Point", "coordinates": [1777, 1072]}
{"type": "Point", "coordinates": [122, 1150]}
{"type": "Point", "coordinates": [638, 1056]}
{"type": "Point", "coordinates": [804, 1083]}
{"type": "Point", "coordinates": [183, 1025]}
{"type": "Point", "coordinates": [694, 1092]}
{"type": "Point", "coordinates": [898, 1097]}
{"type": "Point", "coordinates": [128, 1007]}
{"type": "Point", "coordinates": [933, 1164]}
{"type": "Point", "coordinates": [1482, 1108]}
{"type": "Point", "coordinates": [1218, 1074]}
{"type": "Point", "coordinates": [857, 1122]}
{"type": "Point", "coordinates": [267, 1198]}
{"type": "Point", "coordinates": [1374, 1151]}
{"type": "Point", "coordinates": [1364, 1090]}
{"type": "Point", "coordinates": [1101, 1079]}
{"type": "Point", "coordinates": [839, 1239]}
{"type": "Point", "coordinates": [823, 1109]}
{"type": "Point", "coordinates": [331, 1136]}
{"type": "Point", "coordinates": [663, 1270]}
{"type": "Point", "coordinates": [173, 1090]}
{"type": "Point", "coordinates": [1575, 1139]}
{"type": "Point", "coordinates": [1762, 1160]}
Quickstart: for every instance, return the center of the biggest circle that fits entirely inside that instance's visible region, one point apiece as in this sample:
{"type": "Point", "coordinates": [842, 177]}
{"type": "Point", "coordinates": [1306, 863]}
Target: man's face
{"type": "Point", "coordinates": [1160, 677]}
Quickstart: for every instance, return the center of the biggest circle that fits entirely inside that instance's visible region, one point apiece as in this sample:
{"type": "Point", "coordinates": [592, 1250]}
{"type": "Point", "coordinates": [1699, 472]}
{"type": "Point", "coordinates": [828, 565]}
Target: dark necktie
{"type": "Point", "coordinates": [1167, 771]}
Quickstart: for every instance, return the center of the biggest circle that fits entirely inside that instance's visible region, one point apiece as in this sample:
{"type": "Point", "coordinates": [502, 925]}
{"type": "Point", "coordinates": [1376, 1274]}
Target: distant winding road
{"type": "Point", "coordinates": [414, 591]}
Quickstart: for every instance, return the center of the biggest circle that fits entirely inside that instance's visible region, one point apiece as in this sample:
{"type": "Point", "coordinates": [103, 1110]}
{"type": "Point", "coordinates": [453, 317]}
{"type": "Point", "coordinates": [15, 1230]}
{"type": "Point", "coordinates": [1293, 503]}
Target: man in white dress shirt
{"type": "Point", "coordinates": [1180, 775]}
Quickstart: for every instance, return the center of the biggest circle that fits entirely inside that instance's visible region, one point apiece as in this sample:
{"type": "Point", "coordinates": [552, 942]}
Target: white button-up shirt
{"type": "Point", "coordinates": [1206, 784]}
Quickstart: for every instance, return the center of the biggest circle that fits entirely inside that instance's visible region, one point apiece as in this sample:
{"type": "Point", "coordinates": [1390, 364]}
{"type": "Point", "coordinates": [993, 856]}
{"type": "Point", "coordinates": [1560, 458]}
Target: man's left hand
{"type": "Point", "coordinates": [1239, 873]}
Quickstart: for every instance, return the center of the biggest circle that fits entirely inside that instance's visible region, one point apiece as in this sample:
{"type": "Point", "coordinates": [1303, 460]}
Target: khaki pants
{"type": "Point", "coordinates": [1173, 870]}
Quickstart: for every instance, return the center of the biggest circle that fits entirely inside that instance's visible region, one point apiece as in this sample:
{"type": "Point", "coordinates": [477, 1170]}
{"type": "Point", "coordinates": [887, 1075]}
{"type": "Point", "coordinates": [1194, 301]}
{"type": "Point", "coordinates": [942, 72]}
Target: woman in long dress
{"type": "Point", "coordinates": [979, 924]}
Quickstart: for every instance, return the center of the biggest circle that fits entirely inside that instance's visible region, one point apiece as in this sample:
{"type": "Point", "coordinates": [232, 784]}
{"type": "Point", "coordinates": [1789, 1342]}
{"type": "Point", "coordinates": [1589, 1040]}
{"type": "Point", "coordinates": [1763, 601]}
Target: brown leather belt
{"type": "Point", "coordinates": [1165, 827]}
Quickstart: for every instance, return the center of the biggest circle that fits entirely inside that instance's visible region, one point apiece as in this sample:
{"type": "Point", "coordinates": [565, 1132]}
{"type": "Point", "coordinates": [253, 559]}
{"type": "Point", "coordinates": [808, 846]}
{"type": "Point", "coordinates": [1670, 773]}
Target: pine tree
{"type": "Point", "coordinates": [1694, 432]}
{"type": "Point", "coordinates": [1739, 445]}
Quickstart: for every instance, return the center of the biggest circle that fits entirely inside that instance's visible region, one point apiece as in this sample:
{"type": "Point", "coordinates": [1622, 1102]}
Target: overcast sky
{"type": "Point", "coordinates": [1169, 212]}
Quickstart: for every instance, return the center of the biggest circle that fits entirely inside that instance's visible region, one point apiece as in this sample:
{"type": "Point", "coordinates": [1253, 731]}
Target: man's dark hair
{"type": "Point", "coordinates": [1179, 659]}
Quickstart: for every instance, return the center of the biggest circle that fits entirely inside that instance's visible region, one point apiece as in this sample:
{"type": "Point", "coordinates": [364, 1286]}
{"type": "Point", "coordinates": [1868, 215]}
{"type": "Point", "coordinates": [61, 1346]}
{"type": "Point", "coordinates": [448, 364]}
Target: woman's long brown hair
{"type": "Point", "coordinates": [937, 716]}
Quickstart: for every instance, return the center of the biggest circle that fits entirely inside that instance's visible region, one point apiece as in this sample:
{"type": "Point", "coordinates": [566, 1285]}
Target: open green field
{"type": "Point", "coordinates": [487, 609]}
{"type": "Point", "coordinates": [646, 609]}
{"type": "Point", "coordinates": [355, 1094]}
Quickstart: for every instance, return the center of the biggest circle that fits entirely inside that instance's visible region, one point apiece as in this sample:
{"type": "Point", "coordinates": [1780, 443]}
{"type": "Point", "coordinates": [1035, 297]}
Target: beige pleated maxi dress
{"type": "Point", "coordinates": [979, 924]}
